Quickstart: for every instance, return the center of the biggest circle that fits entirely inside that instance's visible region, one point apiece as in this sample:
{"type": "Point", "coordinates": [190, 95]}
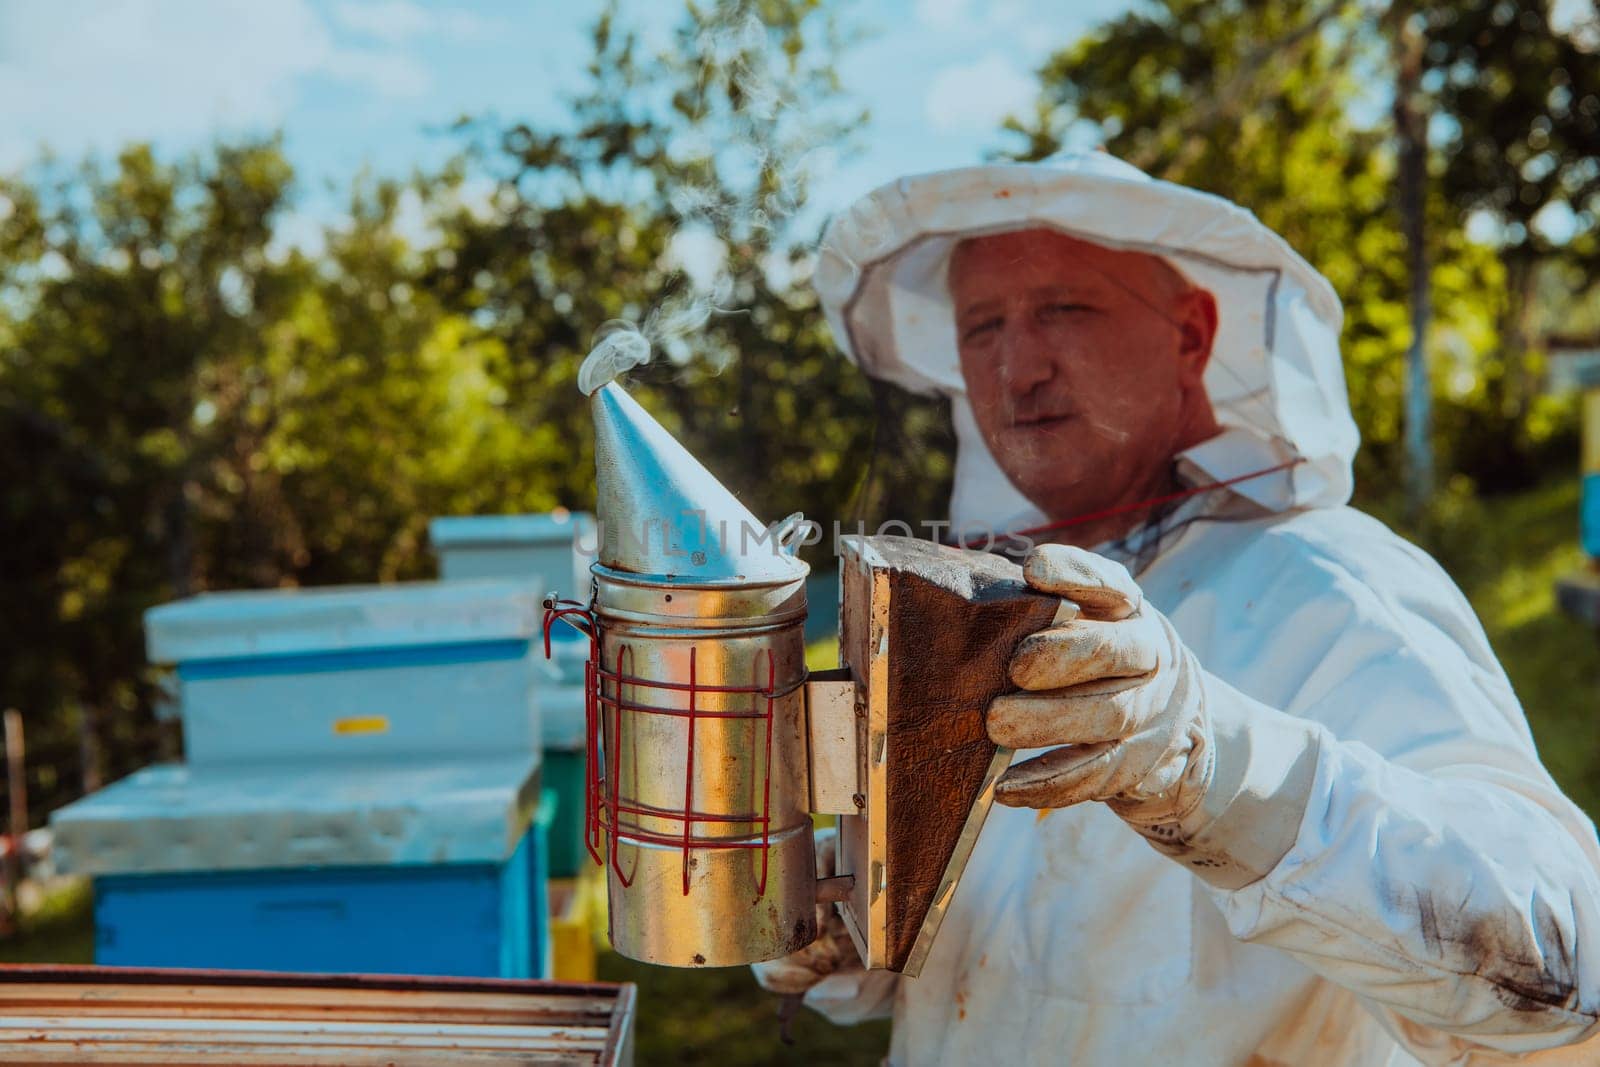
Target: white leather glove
{"type": "Point", "coordinates": [831, 951]}
{"type": "Point", "coordinates": [1115, 687]}
{"type": "Point", "coordinates": [1136, 724]}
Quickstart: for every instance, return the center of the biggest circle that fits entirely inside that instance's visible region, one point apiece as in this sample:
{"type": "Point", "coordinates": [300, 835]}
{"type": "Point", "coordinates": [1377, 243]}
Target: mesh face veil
{"type": "Point", "coordinates": [1274, 379]}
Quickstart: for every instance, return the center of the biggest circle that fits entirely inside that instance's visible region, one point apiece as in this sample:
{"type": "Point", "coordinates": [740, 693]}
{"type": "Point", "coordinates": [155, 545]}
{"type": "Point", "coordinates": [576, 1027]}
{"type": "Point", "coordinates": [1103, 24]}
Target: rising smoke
{"type": "Point", "coordinates": [747, 89]}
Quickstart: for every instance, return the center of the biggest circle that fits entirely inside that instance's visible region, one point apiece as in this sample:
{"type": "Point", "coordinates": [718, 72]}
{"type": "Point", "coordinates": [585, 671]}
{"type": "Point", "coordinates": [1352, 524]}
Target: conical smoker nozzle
{"type": "Point", "coordinates": [662, 514]}
{"type": "Point", "coordinates": [698, 762]}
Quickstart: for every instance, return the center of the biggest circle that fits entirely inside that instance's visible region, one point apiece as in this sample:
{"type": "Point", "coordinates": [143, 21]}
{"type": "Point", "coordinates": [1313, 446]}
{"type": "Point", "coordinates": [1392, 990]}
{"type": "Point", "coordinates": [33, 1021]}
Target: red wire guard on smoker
{"type": "Point", "coordinates": [603, 807]}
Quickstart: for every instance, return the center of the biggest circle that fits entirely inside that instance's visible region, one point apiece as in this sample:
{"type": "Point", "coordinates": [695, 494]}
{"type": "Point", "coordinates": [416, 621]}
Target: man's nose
{"type": "Point", "coordinates": [1026, 359]}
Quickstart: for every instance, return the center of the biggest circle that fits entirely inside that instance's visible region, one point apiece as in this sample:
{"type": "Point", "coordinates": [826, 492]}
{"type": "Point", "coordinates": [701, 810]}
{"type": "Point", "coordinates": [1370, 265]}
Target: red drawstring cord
{"type": "Point", "coordinates": [1155, 502]}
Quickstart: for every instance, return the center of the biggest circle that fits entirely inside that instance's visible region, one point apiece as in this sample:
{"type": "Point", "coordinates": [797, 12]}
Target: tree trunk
{"type": "Point", "coordinates": [1516, 340]}
{"type": "Point", "coordinates": [89, 749]}
{"type": "Point", "coordinates": [180, 540]}
{"type": "Point", "coordinates": [1411, 131]}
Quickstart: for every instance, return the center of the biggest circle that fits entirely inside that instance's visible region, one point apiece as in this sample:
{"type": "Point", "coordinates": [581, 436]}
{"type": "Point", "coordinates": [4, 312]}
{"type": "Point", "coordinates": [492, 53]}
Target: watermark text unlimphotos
{"type": "Point", "coordinates": [692, 536]}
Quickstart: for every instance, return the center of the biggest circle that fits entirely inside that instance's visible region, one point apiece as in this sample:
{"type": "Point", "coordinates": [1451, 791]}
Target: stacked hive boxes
{"type": "Point", "coordinates": [550, 553]}
{"type": "Point", "coordinates": [1590, 516]}
{"type": "Point", "coordinates": [361, 791]}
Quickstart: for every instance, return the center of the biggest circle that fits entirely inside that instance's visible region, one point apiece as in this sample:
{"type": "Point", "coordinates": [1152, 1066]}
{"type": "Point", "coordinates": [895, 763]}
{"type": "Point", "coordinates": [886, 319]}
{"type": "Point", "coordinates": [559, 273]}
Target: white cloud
{"type": "Point", "coordinates": [388, 73]}
{"type": "Point", "coordinates": [975, 97]}
{"type": "Point", "coordinates": [942, 14]}
{"type": "Point", "coordinates": [91, 74]}
{"type": "Point", "coordinates": [396, 20]}
{"type": "Point", "coordinates": [389, 20]}
{"type": "Point", "coordinates": [967, 17]}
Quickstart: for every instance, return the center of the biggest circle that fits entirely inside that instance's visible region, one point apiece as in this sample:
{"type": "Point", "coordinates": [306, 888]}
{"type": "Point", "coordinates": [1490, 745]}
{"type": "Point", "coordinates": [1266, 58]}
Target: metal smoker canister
{"type": "Point", "coordinates": [698, 789]}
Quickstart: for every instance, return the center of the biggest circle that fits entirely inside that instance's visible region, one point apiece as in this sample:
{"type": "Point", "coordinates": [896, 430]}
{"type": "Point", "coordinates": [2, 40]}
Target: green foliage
{"type": "Point", "coordinates": [186, 407]}
{"type": "Point", "coordinates": [709, 138]}
{"type": "Point", "coordinates": [134, 295]}
{"type": "Point", "coordinates": [1524, 104]}
{"type": "Point", "coordinates": [188, 404]}
{"type": "Point", "coordinates": [1506, 555]}
{"type": "Point", "coordinates": [59, 929]}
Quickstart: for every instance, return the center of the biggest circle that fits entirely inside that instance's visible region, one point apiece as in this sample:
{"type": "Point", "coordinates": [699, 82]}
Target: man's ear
{"type": "Point", "coordinates": [1197, 330]}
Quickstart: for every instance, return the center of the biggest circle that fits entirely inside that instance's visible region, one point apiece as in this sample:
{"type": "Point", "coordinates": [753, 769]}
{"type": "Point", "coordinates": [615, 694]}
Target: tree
{"type": "Point", "coordinates": [1408, 47]}
{"type": "Point", "coordinates": [128, 334]}
{"type": "Point", "coordinates": [192, 405]}
{"type": "Point", "coordinates": [1522, 101]}
{"type": "Point", "coordinates": [189, 406]}
{"type": "Point", "coordinates": [709, 144]}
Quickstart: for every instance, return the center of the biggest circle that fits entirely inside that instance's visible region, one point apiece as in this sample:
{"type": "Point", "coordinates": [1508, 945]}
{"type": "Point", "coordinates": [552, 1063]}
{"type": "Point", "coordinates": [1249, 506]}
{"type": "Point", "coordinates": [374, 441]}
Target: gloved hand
{"type": "Point", "coordinates": [1208, 776]}
{"type": "Point", "coordinates": [831, 951]}
{"type": "Point", "coordinates": [1115, 688]}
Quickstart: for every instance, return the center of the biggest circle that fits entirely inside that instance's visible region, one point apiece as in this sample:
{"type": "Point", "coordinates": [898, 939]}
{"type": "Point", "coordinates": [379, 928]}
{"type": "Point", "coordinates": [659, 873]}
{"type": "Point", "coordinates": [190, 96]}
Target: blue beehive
{"type": "Point", "coordinates": [421, 869]}
{"type": "Point", "coordinates": [550, 553]}
{"type": "Point", "coordinates": [354, 672]}
{"type": "Point", "coordinates": [361, 792]}
{"type": "Point", "coordinates": [1589, 516]}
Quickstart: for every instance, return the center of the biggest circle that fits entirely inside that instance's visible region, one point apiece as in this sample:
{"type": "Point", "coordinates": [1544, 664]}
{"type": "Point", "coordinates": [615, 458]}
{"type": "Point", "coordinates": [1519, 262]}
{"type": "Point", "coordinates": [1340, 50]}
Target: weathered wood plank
{"type": "Point", "coordinates": [103, 1016]}
{"type": "Point", "coordinates": [283, 1002]}
{"type": "Point", "coordinates": [954, 617]}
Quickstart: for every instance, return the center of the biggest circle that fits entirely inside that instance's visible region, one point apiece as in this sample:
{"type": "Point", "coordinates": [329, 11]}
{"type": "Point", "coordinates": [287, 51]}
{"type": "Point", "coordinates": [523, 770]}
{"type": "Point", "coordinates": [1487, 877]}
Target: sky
{"type": "Point", "coordinates": [373, 83]}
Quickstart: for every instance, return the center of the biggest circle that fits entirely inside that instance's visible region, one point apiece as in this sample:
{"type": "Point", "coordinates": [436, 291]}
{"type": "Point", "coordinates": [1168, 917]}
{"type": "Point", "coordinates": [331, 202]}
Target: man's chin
{"type": "Point", "coordinates": [1058, 492]}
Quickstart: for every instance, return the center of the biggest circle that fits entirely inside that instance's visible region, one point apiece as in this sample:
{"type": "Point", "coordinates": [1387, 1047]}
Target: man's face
{"type": "Point", "coordinates": [1083, 365]}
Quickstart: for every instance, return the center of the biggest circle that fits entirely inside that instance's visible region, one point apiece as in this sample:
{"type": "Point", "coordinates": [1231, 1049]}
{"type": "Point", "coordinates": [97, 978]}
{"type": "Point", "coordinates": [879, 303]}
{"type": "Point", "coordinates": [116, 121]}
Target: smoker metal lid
{"type": "Point", "coordinates": [173, 817]}
{"type": "Point", "coordinates": [663, 515]}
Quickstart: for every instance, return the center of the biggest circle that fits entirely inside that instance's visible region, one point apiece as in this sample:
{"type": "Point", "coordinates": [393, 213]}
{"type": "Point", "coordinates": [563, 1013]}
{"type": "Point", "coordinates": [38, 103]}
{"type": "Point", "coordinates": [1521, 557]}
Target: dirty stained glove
{"type": "Point", "coordinates": [1207, 775]}
{"type": "Point", "coordinates": [1115, 688]}
{"type": "Point", "coordinates": [828, 973]}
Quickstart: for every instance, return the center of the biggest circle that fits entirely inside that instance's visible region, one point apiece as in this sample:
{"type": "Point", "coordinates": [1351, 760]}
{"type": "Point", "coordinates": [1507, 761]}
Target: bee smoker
{"type": "Point", "coordinates": [710, 745]}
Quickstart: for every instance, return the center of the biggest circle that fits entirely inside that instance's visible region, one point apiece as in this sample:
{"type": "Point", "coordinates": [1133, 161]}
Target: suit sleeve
{"type": "Point", "coordinates": [1390, 825]}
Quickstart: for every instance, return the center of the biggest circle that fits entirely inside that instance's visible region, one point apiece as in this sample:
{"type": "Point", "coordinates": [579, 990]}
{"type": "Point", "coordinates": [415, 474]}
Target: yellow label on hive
{"type": "Point", "coordinates": [362, 724]}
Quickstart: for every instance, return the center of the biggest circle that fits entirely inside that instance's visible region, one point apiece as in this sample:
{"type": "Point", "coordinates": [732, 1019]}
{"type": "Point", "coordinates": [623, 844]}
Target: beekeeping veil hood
{"type": "Point", "coordinates": [1274, 377]}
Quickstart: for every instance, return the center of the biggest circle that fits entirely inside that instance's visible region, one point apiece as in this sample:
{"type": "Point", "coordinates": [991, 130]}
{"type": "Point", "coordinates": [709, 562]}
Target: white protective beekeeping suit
{"type": "Point", "coordinates": [1440, 902]}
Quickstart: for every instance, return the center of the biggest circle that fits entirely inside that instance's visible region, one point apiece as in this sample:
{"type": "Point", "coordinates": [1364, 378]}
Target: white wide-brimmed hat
{"type": "Point", "coordinates": [1275, 375]}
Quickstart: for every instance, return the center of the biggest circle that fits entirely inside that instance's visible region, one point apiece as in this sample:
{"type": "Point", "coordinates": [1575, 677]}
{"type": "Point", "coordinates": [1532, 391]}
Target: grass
{"type": "Point", "coordinates": [59, 930]}
{"type": "Point", "coordinates": [1506, 554]}
{"type": "Point", "coordinates": [722, 1017]}
{"type": "Point", "coordinates": [1523, 545]}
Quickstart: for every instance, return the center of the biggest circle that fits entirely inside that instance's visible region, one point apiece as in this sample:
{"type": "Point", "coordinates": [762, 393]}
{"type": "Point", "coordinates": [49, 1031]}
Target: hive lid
{"type": "Point", "coordinates": [173, 817]}
{"type": "Point", "coordinates": [505, 531]}
{"type": "Point", "coordinates": [273, 622]}
{"type": "Point", "coordinates": [663, 515]}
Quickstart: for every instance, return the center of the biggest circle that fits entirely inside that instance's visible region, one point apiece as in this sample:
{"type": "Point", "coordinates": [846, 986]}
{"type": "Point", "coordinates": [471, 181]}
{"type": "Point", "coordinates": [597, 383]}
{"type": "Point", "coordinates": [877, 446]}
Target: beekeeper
{"type": "Point", "coordinates": [1274, 802]}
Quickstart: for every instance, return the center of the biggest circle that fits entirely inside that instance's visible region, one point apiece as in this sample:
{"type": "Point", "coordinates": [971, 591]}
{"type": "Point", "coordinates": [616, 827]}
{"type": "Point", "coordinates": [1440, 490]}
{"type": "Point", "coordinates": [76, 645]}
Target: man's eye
{"type": "Point", "coordinates": [1055, 311]}
{"type": "Point", "coordinates": [980, 329]}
